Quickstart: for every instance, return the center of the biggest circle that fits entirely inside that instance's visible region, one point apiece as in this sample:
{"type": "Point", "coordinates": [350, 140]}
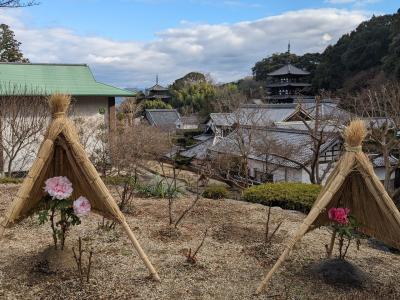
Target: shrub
{"type": "Point", "coordinates": [296, 196]}
{"type": "Point", "coordinates": [156, 104]}
{"type": "Point", "coordinates": [215, 191]}
{"type": "Point", "coordinates": [6, 180]}
{"type": "Point", "coordinates": [158, 187]}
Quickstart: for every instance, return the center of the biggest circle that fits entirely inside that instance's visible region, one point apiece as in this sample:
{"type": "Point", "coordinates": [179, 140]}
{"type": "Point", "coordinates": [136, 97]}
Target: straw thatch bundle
{"type": "Point", "coordinates": [352, 184]}
{"type": "Point", "coordinates": [61, 154]}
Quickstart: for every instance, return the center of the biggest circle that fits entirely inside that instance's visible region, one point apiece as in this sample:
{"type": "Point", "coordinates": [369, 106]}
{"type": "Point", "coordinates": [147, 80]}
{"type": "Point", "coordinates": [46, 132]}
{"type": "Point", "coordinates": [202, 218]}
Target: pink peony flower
{"type": "Point", "coordinates": [58, 187]}
{"type": "Point", "coordinates": [339, 215]}
{"type": "Point", "coordinates": [81, 206]}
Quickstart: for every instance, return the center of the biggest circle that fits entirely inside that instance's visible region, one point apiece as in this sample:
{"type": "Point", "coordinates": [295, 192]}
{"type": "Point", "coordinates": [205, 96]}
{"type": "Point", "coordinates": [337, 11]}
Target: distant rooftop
{"type": "Point", "coordinates": [157, 88]}
{"type": "Point", "coordinates": [165, 119]}
{"type": "Point", "coordinates": [288, 69]}
{"type": "Point", "coordinates": [46, 79]}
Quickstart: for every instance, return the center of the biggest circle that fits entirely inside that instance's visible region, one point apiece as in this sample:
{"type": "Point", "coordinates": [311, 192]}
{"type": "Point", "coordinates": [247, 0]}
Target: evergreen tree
{"type": "Point", "coordinates": [392, 60]}
{"type": "Point", "coordinates": [9, 46]}
{"type": "Point", "coordinates": [308, 61]}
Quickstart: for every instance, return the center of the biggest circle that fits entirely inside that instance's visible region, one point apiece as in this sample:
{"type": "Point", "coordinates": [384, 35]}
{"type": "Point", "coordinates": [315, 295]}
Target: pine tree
{"type": "Point", "coordinates": [9, 46]}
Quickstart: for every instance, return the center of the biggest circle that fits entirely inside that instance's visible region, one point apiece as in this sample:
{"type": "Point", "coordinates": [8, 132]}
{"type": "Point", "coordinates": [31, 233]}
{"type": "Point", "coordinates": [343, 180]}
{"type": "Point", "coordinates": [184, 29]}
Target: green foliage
{"type": "Point", "coordinates": [47, 210]}
{"type": "Point", "coordinates": [160, 188]}
{"type": "Point", "coordinates": [9, 46]}
{"type": "Point", "coordinates": [361, 50]}
{"type": "Point", "coordinates": [347, 232]}
{"type": "Point", "coordinates": [156, 104]}
{"type": "Point", "coordinates": [392, 60]}
{"type": "Point", "coordinates": [251, 88]}
{"type": "Point", "coordinates": [354, 62]}
{"type": "Point", "coordinates": [193, 97]}
{"type": "Point", "coordinates": [308, 62]}
{"type": "Point", "coordinates": [190, 78]}
{"type": "Point", "coordinates": [102, 111]}
{"type": "Point", "coordinates": [296, 196]}
{"type": "Point", "coordinates": [7, 180]}
{"type": "Point", "coordinates": [215, 191]}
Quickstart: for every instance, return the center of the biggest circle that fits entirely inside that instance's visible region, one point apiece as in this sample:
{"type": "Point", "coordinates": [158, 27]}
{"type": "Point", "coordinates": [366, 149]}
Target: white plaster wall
{"type": "Point", "coordinates": [380, 172]}
{"type": "Point", "coordinates": [300, 175]}
{"type": "Point", "coordinates": [86, 110]}
{"type": "Point", "coordinates": [292, 174]}
{"type": "Point", "coordinates": [89, 106]}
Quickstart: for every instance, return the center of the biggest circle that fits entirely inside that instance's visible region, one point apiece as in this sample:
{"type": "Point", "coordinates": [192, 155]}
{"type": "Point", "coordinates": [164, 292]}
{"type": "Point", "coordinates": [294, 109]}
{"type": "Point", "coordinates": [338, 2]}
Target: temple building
{"type": "Point", "coordinates": [158, 92]}
{"type": "Point", "coordinates": [287, 84]}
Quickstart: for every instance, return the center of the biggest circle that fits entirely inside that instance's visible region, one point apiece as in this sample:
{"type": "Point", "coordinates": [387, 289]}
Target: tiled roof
{"type": "Point", "coordinates": [190, 120]}
{"type": "Point", "coordinates": [264, 115]}
{"type": "Point", "coordinates": [157, 88]}
{"type": "Point", "coordinates": [299, 125]}
{"type": "Point", "coordinates": [288, 69]}
{"type": "Point", "coordinates": [45, 79]}
{"type": "Point", "coordinates": [222, 119]}
{"type": "Point", "coordinates": [327, 110]}
{"type": "Point", "coordinates": [295, 139]}
{"type": "Point", "coordinates": [203, 137]}
{"type": "Point", "coordinates": [162, 117]}
{"type": "Point", "coordinates": [269, 114]}
{"type": "Point", "coordinates": [198, 151]}
{"type": "Point", "coordinates": [378, 160]}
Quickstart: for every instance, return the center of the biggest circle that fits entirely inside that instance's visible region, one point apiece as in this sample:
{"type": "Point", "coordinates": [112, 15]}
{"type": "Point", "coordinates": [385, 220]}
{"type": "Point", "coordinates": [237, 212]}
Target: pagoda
{"type": "Point", "coordinates": [287, 83]}
{"type": "Point", "coordinates": [158, 92]}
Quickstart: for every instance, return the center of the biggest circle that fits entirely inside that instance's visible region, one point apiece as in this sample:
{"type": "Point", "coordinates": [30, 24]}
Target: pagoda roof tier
{"type": "Point", "coordinates": [287, 70]}
{"type": "Point", "coordinates": [158, 87]}
{"type": "Point", "coordinates": [287, 84]}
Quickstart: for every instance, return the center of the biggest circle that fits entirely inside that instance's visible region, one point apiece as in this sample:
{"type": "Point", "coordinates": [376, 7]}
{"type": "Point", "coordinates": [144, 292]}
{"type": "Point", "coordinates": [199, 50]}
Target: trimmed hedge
{"type": "Point", "coordinates": [7, 180]}
{"type": "Point", "coordinates": [295, 196]}
{"type": "Point", "coordinates": [214, 191]}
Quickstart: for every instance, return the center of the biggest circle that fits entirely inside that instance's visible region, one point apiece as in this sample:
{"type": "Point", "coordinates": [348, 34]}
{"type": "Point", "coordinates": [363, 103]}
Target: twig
{"type": "Point", "coordinates": [78, 260]}
{"type": "Point", "coordinates": [274, 232]}
{"type": "Point", "coordinates": [192, 258]}
{"type": "Point", "coordinates": [267, 224]}
{"type": "Point", "coordinates": [89, 266]}
{"type": "Point", "coordinates": [188, 209]}
{"type": "Point", "coordinates": [268, 237]}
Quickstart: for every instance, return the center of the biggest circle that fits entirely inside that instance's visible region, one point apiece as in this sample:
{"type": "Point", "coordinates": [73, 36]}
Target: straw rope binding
{"type": "Point", "coordinates": [59, 104]}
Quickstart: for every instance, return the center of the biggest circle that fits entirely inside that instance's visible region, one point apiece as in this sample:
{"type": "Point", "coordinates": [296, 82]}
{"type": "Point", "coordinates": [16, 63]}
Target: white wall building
{"type": "Point", "coordinates": [93, 102]}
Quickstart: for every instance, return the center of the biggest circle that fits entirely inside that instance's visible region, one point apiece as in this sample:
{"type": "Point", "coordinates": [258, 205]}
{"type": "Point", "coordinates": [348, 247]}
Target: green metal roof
{"type": "Point", "coordinates": [46, 79]}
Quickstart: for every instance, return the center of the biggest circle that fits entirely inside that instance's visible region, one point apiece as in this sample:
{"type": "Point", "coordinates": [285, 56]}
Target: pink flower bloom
{"type": "Point", "coordinates": [58, 187]}
{"type": "Point", "coordinates": [81, 206]}
{"type": "Point", "coordinates": [339, 215]}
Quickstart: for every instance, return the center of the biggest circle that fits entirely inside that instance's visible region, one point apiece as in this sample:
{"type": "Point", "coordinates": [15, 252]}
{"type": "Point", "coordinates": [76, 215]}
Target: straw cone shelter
{"type": "Point", "coordinates": [61, 154]}
{"type": "Point", "coordinates": [352, 184]}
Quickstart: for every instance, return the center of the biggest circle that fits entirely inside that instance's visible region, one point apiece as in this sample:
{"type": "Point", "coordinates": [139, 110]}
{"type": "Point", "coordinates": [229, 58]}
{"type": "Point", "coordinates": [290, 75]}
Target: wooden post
{"type": "Point", "coordinates": [112, 118]}
{"type": "Point", "coordinates": [323, 199]}
{"type": "Point", "coordinates": [140, 251]}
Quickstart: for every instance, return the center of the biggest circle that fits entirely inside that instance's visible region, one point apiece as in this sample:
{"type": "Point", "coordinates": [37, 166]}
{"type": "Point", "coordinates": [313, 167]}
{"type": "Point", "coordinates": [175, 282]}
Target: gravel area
{"type": "Point", "coordinates": [229, 265]}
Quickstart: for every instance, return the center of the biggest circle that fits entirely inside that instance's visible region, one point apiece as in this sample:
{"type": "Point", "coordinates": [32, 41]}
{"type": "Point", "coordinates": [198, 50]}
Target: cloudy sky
{"type": "Point", "coordinates": [128, 42]}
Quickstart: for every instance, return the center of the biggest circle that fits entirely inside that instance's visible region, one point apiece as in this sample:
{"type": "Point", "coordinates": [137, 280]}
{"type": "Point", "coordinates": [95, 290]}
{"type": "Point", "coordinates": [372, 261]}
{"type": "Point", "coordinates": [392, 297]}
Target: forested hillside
{"type": "Point", "coordinates": [368, 55]}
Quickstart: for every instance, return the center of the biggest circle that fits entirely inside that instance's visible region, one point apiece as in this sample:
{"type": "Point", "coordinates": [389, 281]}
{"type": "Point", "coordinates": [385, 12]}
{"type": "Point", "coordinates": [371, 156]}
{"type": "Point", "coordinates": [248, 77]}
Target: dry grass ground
{"type": "Point", "coordinates": [230, 265]}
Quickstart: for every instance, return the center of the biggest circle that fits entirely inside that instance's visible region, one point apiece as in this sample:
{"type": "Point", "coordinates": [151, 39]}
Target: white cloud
{"type": "Point", "coordinates": [226, 51]}
{"type": "Point", "coordinates": [327, 37]}
{"type": "Point", "coordinates": [355, 2]}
